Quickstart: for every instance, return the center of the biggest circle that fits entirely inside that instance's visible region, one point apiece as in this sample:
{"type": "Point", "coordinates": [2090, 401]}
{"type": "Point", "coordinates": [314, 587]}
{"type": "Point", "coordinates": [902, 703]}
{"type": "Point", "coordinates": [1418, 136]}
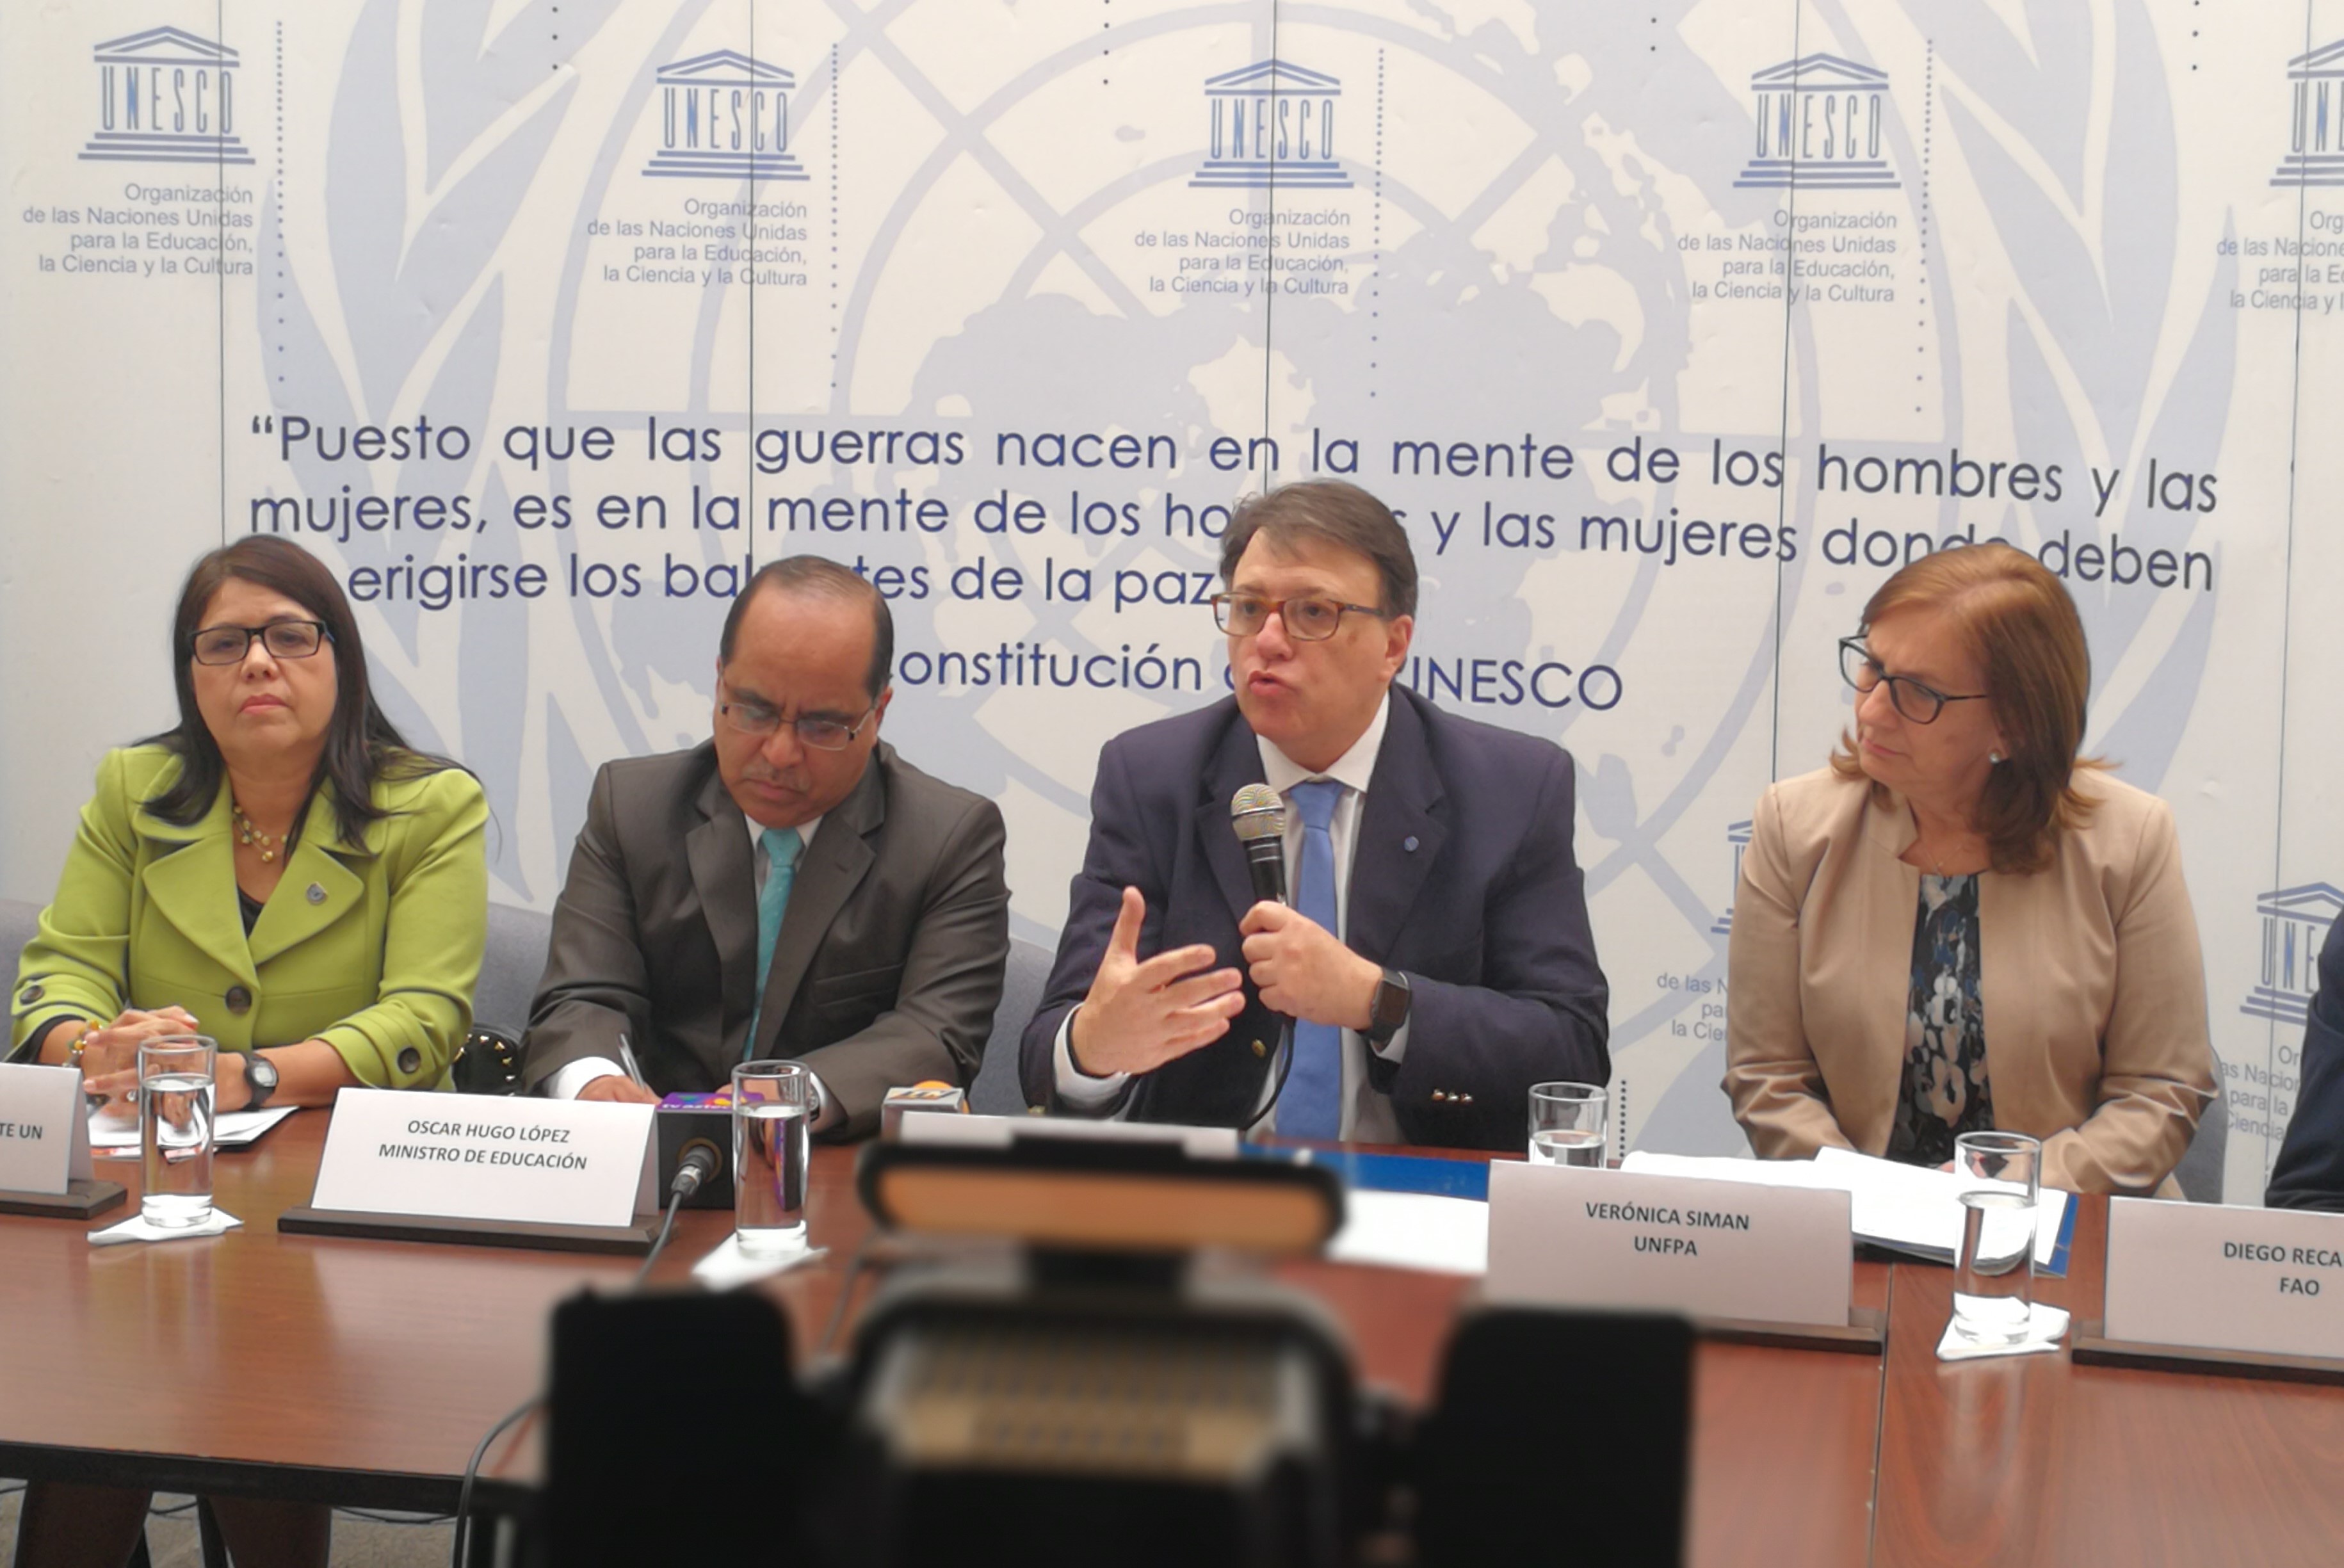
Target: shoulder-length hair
{"type": "Point", "coordinates": [362, 746]}
{"type": "Point", "coordinates": [2020, 629]}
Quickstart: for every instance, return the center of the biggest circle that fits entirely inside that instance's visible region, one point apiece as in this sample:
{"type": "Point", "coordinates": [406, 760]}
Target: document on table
{"type": "Point", "coordinates": [1413, 1230]}
{"type": "Point", "coordinates": [1905, 1208]}
{"type": "Point", "coordinates": [232, 1130]}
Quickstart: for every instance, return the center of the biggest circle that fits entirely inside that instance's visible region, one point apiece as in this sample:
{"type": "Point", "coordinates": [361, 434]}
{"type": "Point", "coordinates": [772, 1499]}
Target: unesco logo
{"type": "Point", "coordinates": [1271, 124]}
{"type": "Point", "coordinates": [2316, 130]}
{"type": "Point", "coordinates": [2295, 923]}
{"type": "Point", "coordinates": [1822, 125]}
{"type": "Point", "coordinates": [1737, 839]}
{"type": "Point", "coordinates": [723, 116]}
{"type": "Point", "coordinates": [165, 96]}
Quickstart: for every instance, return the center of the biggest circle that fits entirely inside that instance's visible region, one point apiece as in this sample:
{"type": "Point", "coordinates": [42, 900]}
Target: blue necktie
{"type": "Point", "coordinates": [1311, 1104]}
{"type": "Point", "coordinates": [782, 847]}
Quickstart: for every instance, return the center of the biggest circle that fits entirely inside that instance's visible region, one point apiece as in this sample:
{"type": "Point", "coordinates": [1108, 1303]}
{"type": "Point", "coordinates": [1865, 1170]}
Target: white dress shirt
{"type": "Point", "coordinates": [575, 1075]}
{"type": "Point", "coordinates": [1367, 1114]}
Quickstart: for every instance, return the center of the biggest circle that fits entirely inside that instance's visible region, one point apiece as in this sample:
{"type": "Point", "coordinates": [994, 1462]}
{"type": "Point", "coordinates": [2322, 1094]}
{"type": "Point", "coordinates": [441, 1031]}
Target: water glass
{"type": "Point", "coordinates": [1567, 1125]}
{"type": "Point", "coordinates": [176, 1097]}
{"type": "Point", "coordinates": [1994, 1273]}
{"type": "Point", "coordinates": [773, 1111]}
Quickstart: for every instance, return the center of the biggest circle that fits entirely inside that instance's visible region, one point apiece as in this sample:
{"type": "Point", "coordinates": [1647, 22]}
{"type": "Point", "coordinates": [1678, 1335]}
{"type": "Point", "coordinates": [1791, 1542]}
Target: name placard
{"type": "Point", "coordinates": [44, 1139]}
{"type": "Point", "coordinates": [1565, 1237]}
{"type": "Point", "coordinates": [2213, 1277]}
{"type": "Point", "coordinates": [478, 1156]}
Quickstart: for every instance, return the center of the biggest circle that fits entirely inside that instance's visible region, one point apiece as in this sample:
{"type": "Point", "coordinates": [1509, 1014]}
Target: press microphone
{"type": "Point", "coordinates": [1259, 818]}
{"type": "Point", "coordinates": [699, 1161]}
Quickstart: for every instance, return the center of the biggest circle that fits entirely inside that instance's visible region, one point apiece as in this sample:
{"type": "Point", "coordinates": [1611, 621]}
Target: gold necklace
{"type": "Point", "coordinates": [246, 832]}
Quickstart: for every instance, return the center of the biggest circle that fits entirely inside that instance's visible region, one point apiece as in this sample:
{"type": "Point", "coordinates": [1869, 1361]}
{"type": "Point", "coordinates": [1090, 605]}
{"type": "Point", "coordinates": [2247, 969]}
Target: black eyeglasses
{"type": "Point", "coordinates": [1308, 618]}
{"type": "Point", "coordinates": [1920, 703]}
{"type": "Point", "coordinates": [283, 639]}
{"type": "Point", "coordinates": [820, 731]}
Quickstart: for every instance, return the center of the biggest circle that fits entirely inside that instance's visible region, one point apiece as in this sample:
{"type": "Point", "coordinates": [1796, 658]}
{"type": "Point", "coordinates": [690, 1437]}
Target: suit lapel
{"type": "Point", "coordinates": [724, 878]}
{"type": "Point", "coordinates": [1404, 807]}
{"type": "Point", "coordinates": [317, 888]}
{"type": "Point", "coordinates": [829, 870]}
{"type": "Point", "coordinates": [1237, 763]}
{"type": "Point", "coordinates": [191, 882]}
{"type": "Point", "coordinates": [1864, 980]}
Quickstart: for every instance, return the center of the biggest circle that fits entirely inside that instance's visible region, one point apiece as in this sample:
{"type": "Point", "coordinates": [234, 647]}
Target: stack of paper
{"type": "Point", "coordinates": [1908, 1209]}
{"type": "Point", "coordinates": [230, 1129]}
{"type": "Point", "coordinates": [1413, 1230]}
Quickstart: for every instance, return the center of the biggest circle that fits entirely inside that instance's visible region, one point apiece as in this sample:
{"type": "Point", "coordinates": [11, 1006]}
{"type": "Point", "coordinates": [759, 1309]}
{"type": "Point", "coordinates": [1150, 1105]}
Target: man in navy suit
{"type": "Point", "coordinates": [1434, 953]}
{"type": "Point", "coordinates": [2309, 1171]}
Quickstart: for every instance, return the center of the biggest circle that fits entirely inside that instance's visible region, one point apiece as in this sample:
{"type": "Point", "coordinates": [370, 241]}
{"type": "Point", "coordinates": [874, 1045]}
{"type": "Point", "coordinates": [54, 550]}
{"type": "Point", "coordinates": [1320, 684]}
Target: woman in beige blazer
{"type": "Point", "coordinates": [1960, 924]}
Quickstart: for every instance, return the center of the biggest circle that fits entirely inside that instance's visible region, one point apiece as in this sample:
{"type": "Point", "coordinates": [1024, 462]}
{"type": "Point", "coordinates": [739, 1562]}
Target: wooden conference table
{"type": "Point", "coordinates": [363, 1373]}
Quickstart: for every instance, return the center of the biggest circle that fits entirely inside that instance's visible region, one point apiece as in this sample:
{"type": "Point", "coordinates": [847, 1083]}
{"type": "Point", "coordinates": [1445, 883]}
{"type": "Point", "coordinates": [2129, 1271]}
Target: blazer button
{"type": "Point", "coordinates": [32, 994]}
{"type": "Point", "coordinates": [1465, 1099]}
{"type": "Point", "coordinates": [316, 893]}
{"type": "Point", "coordinates": [1409, 844]}
{"type": "Point", "coordinates": [410, 1060]}
{"type": "Point", "coordinates": [239, 1000]}
{"type": "Point", "coordinates": [1260, 1049]}
{"type": "Point", "coordinates": [1440, 1094]}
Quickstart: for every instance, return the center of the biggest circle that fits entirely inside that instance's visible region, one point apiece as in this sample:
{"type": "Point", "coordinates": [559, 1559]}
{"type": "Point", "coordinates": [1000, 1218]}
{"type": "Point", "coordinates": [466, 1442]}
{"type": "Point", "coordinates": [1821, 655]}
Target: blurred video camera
{"type": "Point", "coordinates": [1080, 1360]}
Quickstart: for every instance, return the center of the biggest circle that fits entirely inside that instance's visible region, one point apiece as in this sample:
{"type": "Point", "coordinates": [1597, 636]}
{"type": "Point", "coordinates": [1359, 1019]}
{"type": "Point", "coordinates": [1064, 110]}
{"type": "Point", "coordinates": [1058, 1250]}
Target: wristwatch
{"type": "Point", "coordinates": [1390, 1012]}
{"type": "Point", "coordinates": [260, 1080]}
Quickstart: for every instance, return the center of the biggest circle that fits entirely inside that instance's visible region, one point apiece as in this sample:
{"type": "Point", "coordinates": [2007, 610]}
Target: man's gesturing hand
{"type": "Point", "coordinates": [1302, 971]}
{"type": "Point", "coordinates": [1139, 1015]}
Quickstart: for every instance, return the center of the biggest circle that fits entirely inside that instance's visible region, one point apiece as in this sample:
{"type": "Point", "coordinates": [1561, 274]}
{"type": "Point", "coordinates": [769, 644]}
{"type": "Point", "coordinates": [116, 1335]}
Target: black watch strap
{"type": "Point", "coordinates": [260, 1080]}
{"type": "Point", "coordinates": [1392, 998]}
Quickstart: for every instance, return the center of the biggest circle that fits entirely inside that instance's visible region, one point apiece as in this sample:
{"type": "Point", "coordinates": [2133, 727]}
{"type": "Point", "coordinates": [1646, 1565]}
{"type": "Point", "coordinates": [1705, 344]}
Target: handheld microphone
{"type": "Point", "coordinates": [1259, 818]}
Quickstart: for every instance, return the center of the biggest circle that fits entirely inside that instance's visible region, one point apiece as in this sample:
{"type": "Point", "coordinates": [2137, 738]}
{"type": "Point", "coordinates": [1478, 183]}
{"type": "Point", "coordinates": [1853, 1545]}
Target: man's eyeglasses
{"type": "Point", "coordinates": [1920, 703]}
{"type": "Point", "coordinates": [1306, 619]}
{"type": "Point", "coordinates": [283, 639]}
{"type": "Point", "coordinates": [820, 731]}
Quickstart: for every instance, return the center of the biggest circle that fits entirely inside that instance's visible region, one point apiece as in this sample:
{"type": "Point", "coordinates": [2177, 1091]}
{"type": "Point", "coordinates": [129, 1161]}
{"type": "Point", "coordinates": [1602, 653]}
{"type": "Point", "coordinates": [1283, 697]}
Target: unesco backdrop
{"type": "Point", "coordinates": [1670, 330]}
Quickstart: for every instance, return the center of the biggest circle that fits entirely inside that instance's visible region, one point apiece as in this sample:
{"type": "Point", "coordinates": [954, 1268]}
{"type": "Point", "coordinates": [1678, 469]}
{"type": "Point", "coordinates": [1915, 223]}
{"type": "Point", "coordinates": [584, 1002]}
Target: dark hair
{"type": "Point", "coordinates": [825, 578]}
{"type": "Point", "coordinates": [1342, 514]}
{"type": "Point", "coordinates": [361, 745]}
{"type": "Point", "coordinates": [2020, 628]}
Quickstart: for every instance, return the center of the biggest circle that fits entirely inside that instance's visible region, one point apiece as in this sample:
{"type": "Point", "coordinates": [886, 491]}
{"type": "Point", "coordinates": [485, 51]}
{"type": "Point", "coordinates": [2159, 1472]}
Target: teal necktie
{"type": "Point", "coordinates": [782, 847]}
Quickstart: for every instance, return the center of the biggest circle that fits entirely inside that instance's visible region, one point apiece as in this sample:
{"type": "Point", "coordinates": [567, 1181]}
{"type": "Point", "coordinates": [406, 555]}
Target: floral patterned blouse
{"type": "Point", "coordinates": [1946, 1092]}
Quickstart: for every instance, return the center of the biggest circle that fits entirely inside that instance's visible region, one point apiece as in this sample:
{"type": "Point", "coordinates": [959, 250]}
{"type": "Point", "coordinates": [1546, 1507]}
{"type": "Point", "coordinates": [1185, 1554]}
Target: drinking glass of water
{"type": "Point", "coordinates": [174, 1130]}
{"type": "Point", "coordinates": [1994, 1273]}
{"type": "Point", "coordinates": [1567, 1124]}
{"type": "Point", "coordinates": [772, 1108]}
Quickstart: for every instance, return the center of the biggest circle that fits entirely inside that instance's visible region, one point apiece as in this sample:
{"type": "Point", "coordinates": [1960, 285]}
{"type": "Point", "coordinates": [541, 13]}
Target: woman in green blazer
{"type": "Point", "coordinates": [281, 871]}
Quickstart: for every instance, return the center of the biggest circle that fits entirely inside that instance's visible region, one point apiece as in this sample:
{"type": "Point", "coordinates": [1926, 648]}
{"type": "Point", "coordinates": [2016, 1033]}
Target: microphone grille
{"type": "Point", "coordinates": [1256, 812]}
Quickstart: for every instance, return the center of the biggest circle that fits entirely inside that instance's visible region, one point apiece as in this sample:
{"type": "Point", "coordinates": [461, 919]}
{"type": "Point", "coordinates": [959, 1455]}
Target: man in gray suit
{"type": "Point", "coordinates": [791, 889]}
